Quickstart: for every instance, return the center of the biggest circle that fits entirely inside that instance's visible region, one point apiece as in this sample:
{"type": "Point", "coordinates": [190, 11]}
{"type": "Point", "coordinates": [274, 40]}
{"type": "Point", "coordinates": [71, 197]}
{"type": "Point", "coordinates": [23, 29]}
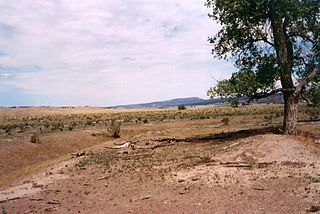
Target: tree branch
{"type": "Point", "coordinates": [261, 95]}
{"type": "Point", "coordinates": [253, 40]}
{"type": "Point", "coordinates": [305, 81]}
{"type": "Point", "coordinates": [305, 98]}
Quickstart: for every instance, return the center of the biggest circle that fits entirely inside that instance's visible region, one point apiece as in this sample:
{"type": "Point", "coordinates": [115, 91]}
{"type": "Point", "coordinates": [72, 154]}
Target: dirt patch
{"type": "Point", "coordinates": [258, 174]}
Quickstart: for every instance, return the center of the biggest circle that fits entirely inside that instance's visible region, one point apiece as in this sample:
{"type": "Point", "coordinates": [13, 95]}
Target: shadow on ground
{"type": "Point", "coordinates": [226, 136]}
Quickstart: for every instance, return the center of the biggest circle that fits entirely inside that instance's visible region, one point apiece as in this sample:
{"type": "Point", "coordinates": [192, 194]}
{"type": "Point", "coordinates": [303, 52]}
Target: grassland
{"type": "Point", "coordinates": [171, 146]}
{"type": "Point", "coordinates": [57, 132]}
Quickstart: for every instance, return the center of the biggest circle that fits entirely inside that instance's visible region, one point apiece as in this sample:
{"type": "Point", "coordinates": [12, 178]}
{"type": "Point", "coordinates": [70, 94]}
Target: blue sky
{"type": "Point", "coordinates": [105, 52]}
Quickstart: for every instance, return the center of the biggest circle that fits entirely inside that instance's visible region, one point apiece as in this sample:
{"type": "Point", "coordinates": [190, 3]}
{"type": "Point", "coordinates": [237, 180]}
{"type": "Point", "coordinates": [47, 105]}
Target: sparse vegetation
{"type": "Point", "coordinates": [234, 102]}
{"type": "Point", "coordinates": [27, 124]}
{"type": "Point", "coordinates": [35, 138]}
{"type": "Point", "coordinates": [268, 119]}
{"type": "Point", "coordinates": [314, 208]}
{"type": "Point", "coordinates": [225, 121]}
{"type": "Point", "coordinates": [4, 211]}
{"type": "Point", "coordinates": [172, 143]}
{"type": "Point", "coordinates": [182, 107]}
{"type": "Point", "coordinates": [114, 128]}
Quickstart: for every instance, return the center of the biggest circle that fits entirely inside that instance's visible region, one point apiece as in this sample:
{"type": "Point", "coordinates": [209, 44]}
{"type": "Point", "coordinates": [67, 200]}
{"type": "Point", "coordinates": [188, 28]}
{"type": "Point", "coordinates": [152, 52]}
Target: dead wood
{"type": "Point", "coordinates": [9, 199]}
{"type": "Point", "coordinates": [236, 164]}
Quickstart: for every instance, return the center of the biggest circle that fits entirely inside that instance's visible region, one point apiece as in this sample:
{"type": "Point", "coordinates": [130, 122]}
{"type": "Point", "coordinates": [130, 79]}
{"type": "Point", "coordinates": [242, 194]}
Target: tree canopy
{"type": "Point", "coordinates": [269, 41]}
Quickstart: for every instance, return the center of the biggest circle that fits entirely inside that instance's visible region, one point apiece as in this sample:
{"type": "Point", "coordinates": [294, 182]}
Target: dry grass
{"type": "Point", "coordinates": [20, 157]}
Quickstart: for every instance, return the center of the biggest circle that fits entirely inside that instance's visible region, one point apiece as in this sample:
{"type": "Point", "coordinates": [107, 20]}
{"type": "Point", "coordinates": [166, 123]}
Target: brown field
{"type": "Point", "coordinates": [213, 159]}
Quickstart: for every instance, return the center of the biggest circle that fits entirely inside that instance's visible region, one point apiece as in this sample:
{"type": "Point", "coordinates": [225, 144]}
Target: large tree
{"type": "Point", "coordinates": [269, 41]}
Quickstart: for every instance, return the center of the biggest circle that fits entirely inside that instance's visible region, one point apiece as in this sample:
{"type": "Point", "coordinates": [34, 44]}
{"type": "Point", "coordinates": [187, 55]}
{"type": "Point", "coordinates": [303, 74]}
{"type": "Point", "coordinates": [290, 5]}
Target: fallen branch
{"type": "Point", "coordinates": [9, 199]}
{"type": "Point", "coordinates": [36, 199]}
{"type": "Point", "coordinates": [264, 164]}
{"type": "Point", "coordinates": [232, 145]}
{"type": "Point", "coordinates": [163, 144]}
{"type": "Point", "coordinates": [127, 144]}
{"type": "Point", "coordinates": [132, 142]}
{"type": "Point", "coordinates": [79, 154]}
{"type": "Point", "coordinates": [143, 198]}
{"type": "Point", "coordinates": [54, 201]}
{"type": "Point", "coordinates": [236, 164]}
{"type": "Point", "coordinates": [101, 178]}
{"type": "Point", "coordinates": [258, 188]}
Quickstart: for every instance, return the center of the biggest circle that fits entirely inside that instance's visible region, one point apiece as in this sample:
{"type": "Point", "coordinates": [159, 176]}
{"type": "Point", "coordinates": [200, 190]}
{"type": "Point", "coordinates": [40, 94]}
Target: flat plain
{"type": "Point", "coordinates": [214, 159]}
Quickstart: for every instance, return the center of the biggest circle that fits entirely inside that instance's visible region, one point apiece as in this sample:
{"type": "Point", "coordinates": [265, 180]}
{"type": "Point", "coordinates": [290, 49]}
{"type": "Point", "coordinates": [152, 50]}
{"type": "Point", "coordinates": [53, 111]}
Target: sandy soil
{"type": "Point", "coordinates": [259, 174]}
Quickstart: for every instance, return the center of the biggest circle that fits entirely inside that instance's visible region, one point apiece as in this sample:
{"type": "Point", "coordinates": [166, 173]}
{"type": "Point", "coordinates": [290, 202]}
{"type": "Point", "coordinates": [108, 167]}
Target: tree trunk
{"type": "Point", "coordinates": [290, 119]}
{"type": "Point", "coordinates": [284, 50]}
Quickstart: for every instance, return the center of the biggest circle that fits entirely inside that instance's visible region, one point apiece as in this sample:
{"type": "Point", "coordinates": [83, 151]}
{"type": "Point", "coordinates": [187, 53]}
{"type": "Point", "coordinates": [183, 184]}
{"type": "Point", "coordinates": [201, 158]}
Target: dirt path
{"type": "Point", "coordinates": [261, 174]}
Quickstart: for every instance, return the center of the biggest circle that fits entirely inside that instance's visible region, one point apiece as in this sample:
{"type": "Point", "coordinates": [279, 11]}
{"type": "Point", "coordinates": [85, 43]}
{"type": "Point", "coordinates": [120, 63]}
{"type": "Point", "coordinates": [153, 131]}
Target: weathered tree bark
{"type": "Point", "coordinates": [290, 118]}
{"type": "Point", "coordinates": [284, 51]}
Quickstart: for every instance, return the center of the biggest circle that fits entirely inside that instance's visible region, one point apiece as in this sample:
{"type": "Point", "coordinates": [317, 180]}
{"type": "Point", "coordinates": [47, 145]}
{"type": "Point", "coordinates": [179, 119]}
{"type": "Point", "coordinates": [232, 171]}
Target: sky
{"type": "Point", "coordinates": [105, 52]}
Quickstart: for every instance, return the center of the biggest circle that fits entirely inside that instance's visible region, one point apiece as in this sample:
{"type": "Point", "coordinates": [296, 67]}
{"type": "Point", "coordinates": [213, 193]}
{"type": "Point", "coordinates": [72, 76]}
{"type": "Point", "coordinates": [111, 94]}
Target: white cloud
{"type": "Point", "coordinates": [109, 52]}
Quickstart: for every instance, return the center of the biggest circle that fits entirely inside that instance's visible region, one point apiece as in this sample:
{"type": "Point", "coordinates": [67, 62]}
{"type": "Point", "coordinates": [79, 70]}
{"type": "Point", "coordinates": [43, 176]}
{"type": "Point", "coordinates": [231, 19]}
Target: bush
{"type": "Point", "coordinates": [35, 138]}
{"type": "Point", "coordinates": [145, 120]}
{"type": "Point", "coordinates": [181, 107]}
{"type": "Point", "coordinates": [268, 119]}
{"type": "Point", "coordinates": [234, 102]}
{"type": "Point", "coordinates": [225, 121]}
{"type": "Point", "coordinates": [313, 113]}
{"type": "Point", "coordinates": [114, 128]}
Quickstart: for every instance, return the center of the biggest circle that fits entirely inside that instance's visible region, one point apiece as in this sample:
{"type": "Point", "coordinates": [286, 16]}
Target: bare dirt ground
{"type": "Point", "coordinates": [256, 171]}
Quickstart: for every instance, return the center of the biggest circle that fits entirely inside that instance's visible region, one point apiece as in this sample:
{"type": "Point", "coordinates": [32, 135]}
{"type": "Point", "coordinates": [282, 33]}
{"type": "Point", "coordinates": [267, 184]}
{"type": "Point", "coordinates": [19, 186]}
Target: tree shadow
{"type": "Point", "coordinates": [226, 136]}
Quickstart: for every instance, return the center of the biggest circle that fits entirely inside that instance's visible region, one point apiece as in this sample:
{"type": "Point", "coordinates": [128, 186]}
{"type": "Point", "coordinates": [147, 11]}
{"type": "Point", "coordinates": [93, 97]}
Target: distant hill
{"type": "Point", "coordinates": [191, 101]}
{"type": "Point", "coordinates": [194, 101]}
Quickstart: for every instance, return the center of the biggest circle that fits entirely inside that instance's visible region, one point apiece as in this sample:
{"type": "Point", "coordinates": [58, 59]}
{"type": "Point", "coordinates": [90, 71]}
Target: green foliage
{"type": "Point", "coordinates": [4, 210]}
{"type": "Point", "coordinates": [35, 138]}
{"type": "Point", "coordinates": [114, 128]}
{"type": "Point", "coordinates": [243, 83]}
{"type": "Point", "coordinates": [268, 40]}
{"type": "Point", "coordinates": [247, 37]}
{"type": "Point", "coordinates": [247, 30]}
{"type": "Point", "coordinates": [234, 102]}
{"type": "Point", "coordinates": [181, 107]}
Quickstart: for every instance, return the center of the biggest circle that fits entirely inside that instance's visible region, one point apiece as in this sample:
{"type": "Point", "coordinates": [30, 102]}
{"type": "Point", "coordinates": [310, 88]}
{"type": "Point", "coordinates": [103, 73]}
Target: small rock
{"type": "Point", "coordinates": [181, 180]}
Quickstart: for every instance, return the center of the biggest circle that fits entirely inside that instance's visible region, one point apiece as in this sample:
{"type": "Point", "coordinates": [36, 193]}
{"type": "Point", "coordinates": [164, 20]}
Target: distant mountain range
{"type": "Point", "coordinates": [193, 101]}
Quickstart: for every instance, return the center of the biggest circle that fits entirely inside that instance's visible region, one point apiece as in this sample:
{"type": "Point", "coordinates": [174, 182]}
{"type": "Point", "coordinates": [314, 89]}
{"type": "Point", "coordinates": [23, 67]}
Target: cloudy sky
{"type": "Point", "coordinates": [105, 52]}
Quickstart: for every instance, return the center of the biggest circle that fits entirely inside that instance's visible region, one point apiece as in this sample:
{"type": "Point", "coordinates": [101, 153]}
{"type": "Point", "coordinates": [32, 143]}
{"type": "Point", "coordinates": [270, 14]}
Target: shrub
{"type": "Point", "coordinates": [234, 102]}
{"type": "Point", "coordinates": [268, 119]}
{"type": "Point", "coordinates": [225, 121]}
{"type": "Point", "coordinates": [145, 120]}
{"type": "Point", "coordinates": [114, 128]}
{"type": "Point", "coordinates": [35, 138]}
{"type": "Point", "coordinates": [313, 113]}
{"type": "Point", "coordinates": [181, 107]}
